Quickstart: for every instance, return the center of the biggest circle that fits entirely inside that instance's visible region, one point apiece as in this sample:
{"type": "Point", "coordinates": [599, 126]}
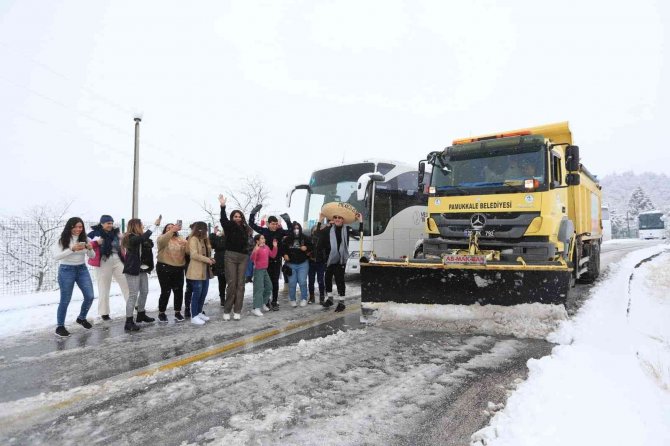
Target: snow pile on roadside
{"type": "Point", "coordinates": [523, 321]}
{"type": "Point", "coordinates": [608, 382]}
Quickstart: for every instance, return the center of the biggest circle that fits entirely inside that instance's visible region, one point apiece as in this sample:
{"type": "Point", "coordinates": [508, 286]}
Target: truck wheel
{"type": "Point", "coordinates": [593, 267]}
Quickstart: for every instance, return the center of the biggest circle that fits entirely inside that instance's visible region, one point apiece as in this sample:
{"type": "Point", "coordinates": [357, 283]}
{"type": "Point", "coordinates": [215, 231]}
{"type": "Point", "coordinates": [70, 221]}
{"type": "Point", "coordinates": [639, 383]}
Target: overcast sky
{"type": "Point", "coordinates": [230, 89]}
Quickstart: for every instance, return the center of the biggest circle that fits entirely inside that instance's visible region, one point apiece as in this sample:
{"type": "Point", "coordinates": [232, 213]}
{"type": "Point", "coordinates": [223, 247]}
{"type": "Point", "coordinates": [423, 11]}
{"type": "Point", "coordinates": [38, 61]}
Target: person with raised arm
{"type": "Point", "coordinates": [272, 231]}
{"type": "Point", "coordinates": [237, 255]}
{"type": "Point", "coordinates": [139, 264]}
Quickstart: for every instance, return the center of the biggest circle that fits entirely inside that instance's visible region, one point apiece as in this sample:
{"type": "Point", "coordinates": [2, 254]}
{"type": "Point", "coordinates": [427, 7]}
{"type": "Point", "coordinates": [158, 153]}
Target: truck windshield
{"type": "Point", "coordinates": [335, 184]}
{"type": "Point", "coordinates": [499, 170]}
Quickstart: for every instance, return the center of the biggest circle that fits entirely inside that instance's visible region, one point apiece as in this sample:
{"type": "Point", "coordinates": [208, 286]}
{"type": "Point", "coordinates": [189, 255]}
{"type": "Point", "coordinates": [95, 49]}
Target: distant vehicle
{"type": "Point", "coordinates": [607, 223]}
{"type": "Point", "coordinates": [398, 221]}
{"type": "Point", "coordinates": [651, 225]}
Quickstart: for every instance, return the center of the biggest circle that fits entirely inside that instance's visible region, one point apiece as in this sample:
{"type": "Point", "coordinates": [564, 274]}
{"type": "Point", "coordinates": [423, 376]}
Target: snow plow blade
{"type": "Point", "coordinates": [427, 282]}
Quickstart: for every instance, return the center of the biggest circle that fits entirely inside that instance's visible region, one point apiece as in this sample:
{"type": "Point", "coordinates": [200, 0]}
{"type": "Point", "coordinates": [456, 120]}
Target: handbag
{"type": "Point", "coordinates": [286, 270]}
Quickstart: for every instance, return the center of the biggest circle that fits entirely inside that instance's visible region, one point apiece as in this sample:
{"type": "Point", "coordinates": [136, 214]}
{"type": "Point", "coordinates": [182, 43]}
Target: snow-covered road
{"type": "Point", "coordinates": [376, 385]}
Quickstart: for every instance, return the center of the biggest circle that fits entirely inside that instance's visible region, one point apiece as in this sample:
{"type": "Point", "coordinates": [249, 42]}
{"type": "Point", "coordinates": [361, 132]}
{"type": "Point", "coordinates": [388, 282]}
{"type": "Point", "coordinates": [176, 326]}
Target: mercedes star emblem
{"type": "Point", "coordinates": [477, 221]}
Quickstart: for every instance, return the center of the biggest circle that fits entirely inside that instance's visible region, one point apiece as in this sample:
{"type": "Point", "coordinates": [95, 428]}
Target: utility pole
{"type": "Point", "coordinates": [628, 224]}
{"type": "Point", "coordinates": [136, 165]}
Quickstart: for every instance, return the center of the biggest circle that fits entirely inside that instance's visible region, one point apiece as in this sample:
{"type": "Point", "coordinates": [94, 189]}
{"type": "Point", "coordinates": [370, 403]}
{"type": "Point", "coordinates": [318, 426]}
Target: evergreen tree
{"type": "Point", "coordinates": [639, 202]}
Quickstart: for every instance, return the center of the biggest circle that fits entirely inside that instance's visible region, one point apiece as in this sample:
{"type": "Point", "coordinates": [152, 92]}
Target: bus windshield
{"type": "Point", "coordinates": [500, 170]}
{"type": "Point", "coordinates": [652, 221]}
{"type": "Point", "coordinates": [335, 184]}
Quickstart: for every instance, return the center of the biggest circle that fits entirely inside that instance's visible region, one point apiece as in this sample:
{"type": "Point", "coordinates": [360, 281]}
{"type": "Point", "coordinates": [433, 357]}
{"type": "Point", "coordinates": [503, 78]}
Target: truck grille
{"type": "Point", "coordinates": [498, 226]}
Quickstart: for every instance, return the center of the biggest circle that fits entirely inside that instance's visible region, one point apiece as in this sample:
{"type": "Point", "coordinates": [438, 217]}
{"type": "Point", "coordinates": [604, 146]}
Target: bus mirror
{"type": "Point", "coordinates": [289, 194]}
{"type": "Point", "coordinates": [572, 158]}
{"type": "Point", "coordinates": [362, 186]}
{"type": "Point", "coordinates": [363, 182]}
{"type": "Point", "coordinates": [573, 179]}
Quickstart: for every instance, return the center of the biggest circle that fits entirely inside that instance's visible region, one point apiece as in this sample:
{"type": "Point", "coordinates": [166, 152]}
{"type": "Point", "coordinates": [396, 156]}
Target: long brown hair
{"type": "Point", "coordinates": [66, 235]}
{"type": "Point", "coordinates": [134, 227]}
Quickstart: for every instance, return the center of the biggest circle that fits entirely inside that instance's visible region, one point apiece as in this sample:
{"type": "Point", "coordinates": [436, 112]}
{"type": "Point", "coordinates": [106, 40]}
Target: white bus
{"type": "Point", "coordinates": [651, 225]}
{"type": "Point", "coordinates": [398, 220]}
{"type": "Point", "coordinates": [607, 223]}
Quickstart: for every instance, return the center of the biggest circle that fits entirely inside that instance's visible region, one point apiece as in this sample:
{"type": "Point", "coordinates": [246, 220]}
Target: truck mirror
{"type": "Point", "coordinates": [572, 158]}
{"type": "Point", "coordinates": [573, 179]}
{"type": "Point", "coordinates": [422, 174]}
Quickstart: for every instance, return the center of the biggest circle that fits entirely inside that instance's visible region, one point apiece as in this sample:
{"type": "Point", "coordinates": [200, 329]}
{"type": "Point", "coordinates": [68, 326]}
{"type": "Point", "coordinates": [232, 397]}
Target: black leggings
{"type": "Point", "coordinates": [171, 279]}
{"type": "Point", "coordinates": [274, 271]}
{"type": "Point", "coordinates": [336, 270]}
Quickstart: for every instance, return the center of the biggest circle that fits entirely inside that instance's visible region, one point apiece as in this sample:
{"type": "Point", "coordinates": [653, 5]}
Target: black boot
{"type": "Point", "coordinates": [142, 317]}
{"type": "Point", "coordinates": [327, 303]}
{"type": "Point", "coordinates": [130, 325]}
{"type": "Point", "coordinates": [321, 298]}
{"type": "Point", "coordinates": [340, 307]}
{"type": "Point", "coordinates": [311, 298]}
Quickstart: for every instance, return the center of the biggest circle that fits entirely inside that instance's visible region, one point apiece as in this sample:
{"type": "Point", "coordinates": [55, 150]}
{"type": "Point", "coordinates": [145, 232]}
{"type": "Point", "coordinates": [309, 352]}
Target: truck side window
{"type": "Point", "coordinates": [556, 172]}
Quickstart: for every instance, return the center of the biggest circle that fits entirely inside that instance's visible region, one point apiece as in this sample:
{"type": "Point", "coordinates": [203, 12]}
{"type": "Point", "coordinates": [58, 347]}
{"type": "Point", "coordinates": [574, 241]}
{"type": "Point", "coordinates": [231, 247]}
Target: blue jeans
{"type": "Point", "coordinates": [298, 277]}
{"type": "Point", "coordinates": [68, 275]}
{"type": "Point", "coordinates": [200, 289]}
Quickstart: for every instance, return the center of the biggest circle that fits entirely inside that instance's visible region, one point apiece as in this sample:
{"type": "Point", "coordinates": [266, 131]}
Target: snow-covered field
{"type": "Point", "coordinates": [29, 312]}
{"type": "Point", "coordinates": [608, 380]}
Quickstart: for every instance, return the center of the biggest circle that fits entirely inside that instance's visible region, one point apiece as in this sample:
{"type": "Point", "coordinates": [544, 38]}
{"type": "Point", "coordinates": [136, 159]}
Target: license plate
{"type": "Point", "coordinates": [482, 234]}
{"type": "Point", "coordinates": [464, 259]}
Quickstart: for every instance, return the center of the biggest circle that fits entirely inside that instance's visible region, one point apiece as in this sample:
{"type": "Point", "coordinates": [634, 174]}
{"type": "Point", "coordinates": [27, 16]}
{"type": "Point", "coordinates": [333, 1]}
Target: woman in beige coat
{"type": "Point", "coordinates": [199, 270]}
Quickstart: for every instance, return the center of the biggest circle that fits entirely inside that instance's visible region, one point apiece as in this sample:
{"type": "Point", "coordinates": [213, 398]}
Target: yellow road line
{"type": "Point", "coordinates": [243, 342]}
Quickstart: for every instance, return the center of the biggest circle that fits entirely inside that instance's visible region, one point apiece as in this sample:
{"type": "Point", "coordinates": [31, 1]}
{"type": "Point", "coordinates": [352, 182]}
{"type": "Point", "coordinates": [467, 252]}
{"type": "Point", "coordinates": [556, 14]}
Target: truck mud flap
{"type": "Point", "coordinates": [468, 286]}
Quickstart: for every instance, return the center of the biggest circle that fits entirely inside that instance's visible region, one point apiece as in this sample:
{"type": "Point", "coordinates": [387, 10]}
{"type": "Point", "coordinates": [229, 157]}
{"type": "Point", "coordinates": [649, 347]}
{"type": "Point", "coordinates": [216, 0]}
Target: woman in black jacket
{"type": "Point", "coordinates": [218, 241]}
{"type": "Point", "coordinates": [237, 254]}
{"type": "Point", "coordinates": [139, 263]}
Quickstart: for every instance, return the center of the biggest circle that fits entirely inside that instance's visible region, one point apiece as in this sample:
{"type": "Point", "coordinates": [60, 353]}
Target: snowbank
{"type": "Point", "coordinates": [608, 381]}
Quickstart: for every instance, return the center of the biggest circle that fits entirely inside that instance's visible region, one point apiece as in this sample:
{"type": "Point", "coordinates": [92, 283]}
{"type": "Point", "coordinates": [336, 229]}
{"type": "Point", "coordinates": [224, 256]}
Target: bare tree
{"type": "Point", "coordinates": [251, 191]}
{"type": "Point", "coordinates": [212, 216]}
{"type": "Point", "coordinates": [26, 246]}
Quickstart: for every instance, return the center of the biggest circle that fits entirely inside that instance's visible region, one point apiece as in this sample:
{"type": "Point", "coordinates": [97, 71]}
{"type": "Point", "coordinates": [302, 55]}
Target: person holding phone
{"type": "Point", "coordinates": [296, 247]}
{"type": "Point", "coordinates": [261, 256]}
{"type": "Point", "coordinates": [71, 251]}
{"type": "Point", "coordinates": [139, 263]}
{"type": "Point", "coordinates": [171, 260]}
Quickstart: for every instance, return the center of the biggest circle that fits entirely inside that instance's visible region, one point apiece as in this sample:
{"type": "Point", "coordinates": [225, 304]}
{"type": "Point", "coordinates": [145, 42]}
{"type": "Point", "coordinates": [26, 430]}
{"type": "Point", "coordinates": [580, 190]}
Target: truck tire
{"type": "Point", "coordinates": [594, 264]}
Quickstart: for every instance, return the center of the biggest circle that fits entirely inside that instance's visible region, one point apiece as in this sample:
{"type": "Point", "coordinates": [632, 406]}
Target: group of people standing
{"type": "Point", "coordinates": [311, 259]}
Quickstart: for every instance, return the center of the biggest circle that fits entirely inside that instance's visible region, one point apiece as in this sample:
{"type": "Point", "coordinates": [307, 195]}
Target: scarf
{"type": "Point", "coordinates": [109, 239]}
{"type": "Point", "coordinates": [338, 256]}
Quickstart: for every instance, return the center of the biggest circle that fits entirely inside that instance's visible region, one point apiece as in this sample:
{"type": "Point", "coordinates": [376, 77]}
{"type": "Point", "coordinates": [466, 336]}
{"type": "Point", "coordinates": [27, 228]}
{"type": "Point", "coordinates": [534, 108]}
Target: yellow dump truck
{"type": "Point", "coordinates": [512, 218]}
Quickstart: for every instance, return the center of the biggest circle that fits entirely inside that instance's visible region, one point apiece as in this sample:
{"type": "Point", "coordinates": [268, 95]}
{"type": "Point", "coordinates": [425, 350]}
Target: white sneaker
{"type": "Point", "coordinates": [226, 316]}
{"type": "Point", "coordinates": [197, 321]}
{"type": "Point", "coordinates": [303, 302]}
{"type": "Point", "coordinates": [265, 308]}
{"type": "Point", "coordinates": [257, 312]}
{"type": "Point", "coordinates": [203, 316]}
{"type": "Point", "coordinates": [294, 303]}
{"type": "Point", "coordinates": [236, 316]}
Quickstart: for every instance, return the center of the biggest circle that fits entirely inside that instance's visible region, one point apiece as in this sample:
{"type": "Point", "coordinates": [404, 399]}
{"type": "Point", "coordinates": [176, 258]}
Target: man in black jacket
{"type": "Point", "coordinates": [334, 242]}
{"type": "Point", "coordinates": [272, 232]}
